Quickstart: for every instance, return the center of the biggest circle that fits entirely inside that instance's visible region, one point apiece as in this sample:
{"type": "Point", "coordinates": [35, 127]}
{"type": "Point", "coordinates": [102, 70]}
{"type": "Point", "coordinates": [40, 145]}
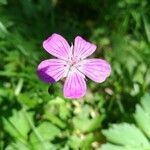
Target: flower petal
{"type": "Point", "coordinates": [95, 69]}
{"type": "Point", "coordinates": [82, 48]}
{"type": "Point", "coordinates": [75, 86]}
{"type": "Point", "coordinates": [52, 70]}
{"type": "Point", "coordinates": [57, 46]}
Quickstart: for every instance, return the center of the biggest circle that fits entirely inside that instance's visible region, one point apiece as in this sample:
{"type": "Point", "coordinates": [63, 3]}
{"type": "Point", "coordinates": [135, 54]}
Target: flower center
{"type": "Point", "coordinates": [72, 61]}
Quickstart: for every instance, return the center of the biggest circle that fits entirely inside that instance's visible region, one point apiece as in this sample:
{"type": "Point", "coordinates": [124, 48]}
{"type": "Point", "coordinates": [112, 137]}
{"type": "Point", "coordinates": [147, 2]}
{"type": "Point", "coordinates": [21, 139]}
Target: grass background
{"type": "Point", "coordinates": [35, 115]}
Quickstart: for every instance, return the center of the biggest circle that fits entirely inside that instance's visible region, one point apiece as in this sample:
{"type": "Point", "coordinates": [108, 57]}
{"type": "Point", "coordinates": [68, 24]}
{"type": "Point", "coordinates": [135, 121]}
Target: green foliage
{"type": "Point", "coordinates": [42, 134]}
{"type": "Point", "coordinates": [142, 115]}
{"type": "Point", "coordinates": [128, 136]}
{"type": "Point", "coordinates": [35, 115]}
{"type": "Point", "coordinates": [17, 125]}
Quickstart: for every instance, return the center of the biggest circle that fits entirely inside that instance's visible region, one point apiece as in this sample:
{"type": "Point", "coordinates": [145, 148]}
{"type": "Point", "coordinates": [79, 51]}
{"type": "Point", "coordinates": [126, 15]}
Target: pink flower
{"type": "Point", "coordinates": [71, 63]}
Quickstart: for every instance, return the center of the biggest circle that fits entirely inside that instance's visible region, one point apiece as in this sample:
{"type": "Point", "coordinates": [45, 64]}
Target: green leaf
{"type": "Point", "coordinates": [3, 30]}
{"type": "Point", "coordinates": [57, 111]}
{"type": "Point", "coordinates": [74, 142]}
{"type": "Point", "coordinates": [63, 108]}
{"type": "Point", "coordinates": [54, 119]}
{"type": "Point", "coordinates": [84, 122]}
{"type": "Point", "coordinates": [43, 133]}
{"type": "Point", "coordinates": [145, 102]}
{"type": "Point", "coordinates": [147, 27]}
{"type": "Point", "coordinates": [127, 135]}
{"type": "Point", "coordinates": [17, 146]}
{"type": "Point", "coordinates": [142, 114]}
{"type": "Point", "coordinates": [41, 136]}
{"type": "Point", "coordinates": [46, 145]}
{"type": "Point", "coordinates": [17, 125]}
{"type": "Point", "coordinates": [116, 147]}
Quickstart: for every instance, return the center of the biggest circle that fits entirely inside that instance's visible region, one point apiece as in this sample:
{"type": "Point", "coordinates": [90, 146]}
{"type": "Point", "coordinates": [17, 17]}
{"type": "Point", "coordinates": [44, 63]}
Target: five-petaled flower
{"type": "Point", "coordinates": [71, 63]}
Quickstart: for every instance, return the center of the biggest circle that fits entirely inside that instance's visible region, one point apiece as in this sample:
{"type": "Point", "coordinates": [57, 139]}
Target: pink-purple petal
{"type": "Point", "coordinates": [51, 70]}
{"type": "Point", "coordinates": [82, 48]}
{"type": "Point", "coordinates": [95, 69]}
{"type": "Point", "coordinates": [75, 86]}
{"type": "Point", "coordinates": [57, 46]}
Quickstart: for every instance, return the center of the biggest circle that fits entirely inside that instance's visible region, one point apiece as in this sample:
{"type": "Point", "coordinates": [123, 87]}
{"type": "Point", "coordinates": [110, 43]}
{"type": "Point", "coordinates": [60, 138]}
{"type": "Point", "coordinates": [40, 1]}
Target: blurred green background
{"type": "Point", "coordinates": [35, 115]}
